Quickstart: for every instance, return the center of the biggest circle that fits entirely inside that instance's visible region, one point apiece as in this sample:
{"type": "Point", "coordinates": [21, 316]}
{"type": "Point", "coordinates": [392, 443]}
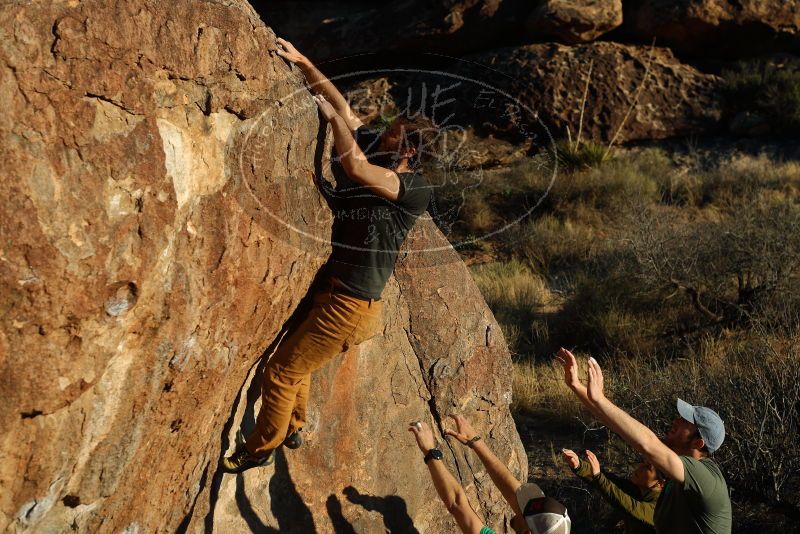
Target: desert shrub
{"type": "Point", "coordinates": [608, 190]}
{"type": "Point", "coordinates": [574, 157]}
{"type": "Point", "coordinates": [730, 272]}
{"type": "Point", "coordinates": [748, 180]}
{"type": "Point", "coordinates": [767, 88]}
{"type": "Point", "coordinates": [548, 242]}
{"type": "Point", "coordinates": [678, 185]}
{"type": "Point", "coordinates": [607, 312]}
{"type": "Point", "coordinates": [662, 282]}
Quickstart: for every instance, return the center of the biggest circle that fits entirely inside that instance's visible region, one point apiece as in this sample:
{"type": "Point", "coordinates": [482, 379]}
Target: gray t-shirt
{"type": "Point", "coordinates": [701, 505]}
{"type": "Point", "coordinates": [368, 229]}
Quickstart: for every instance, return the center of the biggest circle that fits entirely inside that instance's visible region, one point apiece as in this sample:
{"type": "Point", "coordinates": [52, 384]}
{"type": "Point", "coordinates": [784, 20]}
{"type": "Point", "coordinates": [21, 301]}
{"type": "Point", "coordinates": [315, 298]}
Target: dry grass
{"type": "Point", "coordinates": [750, 180]}
{"type": "Point", "coordinates": [682, 280]}
{"type": "Point", "coordinates": [549, 241]}
{"type": "Point", "coordinates": [539, 389]}
{"type": "Point", "coordinates": [518, 297]}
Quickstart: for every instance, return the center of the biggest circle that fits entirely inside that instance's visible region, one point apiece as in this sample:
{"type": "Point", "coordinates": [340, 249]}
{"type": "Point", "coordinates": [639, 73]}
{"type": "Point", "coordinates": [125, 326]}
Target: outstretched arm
{"type": "Point", "coordinates": [570, 365]}
{"type": "Point", "coordinates": [320, 84]}
{"type": "Point", "coordinates": [381, 181]}
{"type": "Point", "coordinates": [498, 472]}
{"type": "Point", "coordinates": [632, 431]}
{"type": "Point", "coordinates": [611, 490]}
{"type": "Point", "coordinates": [449, 490]}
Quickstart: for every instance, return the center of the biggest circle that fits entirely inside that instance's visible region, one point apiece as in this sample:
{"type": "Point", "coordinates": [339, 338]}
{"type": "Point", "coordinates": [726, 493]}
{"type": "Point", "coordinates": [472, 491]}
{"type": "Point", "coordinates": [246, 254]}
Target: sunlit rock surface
{"type": "Point", "coordinates": [160, 223]}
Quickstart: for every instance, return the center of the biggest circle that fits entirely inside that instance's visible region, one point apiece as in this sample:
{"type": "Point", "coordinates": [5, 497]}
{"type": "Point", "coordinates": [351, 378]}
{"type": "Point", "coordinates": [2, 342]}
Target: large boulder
{"type": "Point", "coordinates": [727, 28]}
{"type": "Point", "coordinates": [360, 471]}
{"type": "Point", "coordinates": [634, 92]}
{"type": "Point", "coordinates": [160, 223]}
{"type": "Point", "coordinates": [532, 94]}
{"type": "Point", "coordinates": [326, 30]}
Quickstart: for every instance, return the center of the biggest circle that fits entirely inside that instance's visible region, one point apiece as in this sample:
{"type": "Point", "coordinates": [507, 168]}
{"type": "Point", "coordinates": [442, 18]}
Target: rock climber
{"type": "Point", "coordinates": [376, 202]}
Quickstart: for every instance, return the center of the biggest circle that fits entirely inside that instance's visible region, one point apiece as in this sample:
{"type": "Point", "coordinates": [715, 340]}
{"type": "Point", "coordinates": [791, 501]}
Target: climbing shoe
{"type": "Point", "coordinates": [242, 460]}
{"type": "Point", "coordinates": [293, 440]}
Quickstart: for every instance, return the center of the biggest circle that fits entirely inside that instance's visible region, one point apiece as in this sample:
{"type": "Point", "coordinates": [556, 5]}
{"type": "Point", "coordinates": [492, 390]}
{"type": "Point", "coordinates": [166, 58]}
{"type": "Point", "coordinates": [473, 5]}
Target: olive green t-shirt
{"type": "Point", "coordinates": [701, 505]}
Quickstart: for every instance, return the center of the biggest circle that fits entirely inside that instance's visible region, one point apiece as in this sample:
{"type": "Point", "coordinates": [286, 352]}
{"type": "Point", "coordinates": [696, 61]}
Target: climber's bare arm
{"type": "Point", "coordinates": [320, 84]}
{"type": "Point", "coordinates": [379, 180]}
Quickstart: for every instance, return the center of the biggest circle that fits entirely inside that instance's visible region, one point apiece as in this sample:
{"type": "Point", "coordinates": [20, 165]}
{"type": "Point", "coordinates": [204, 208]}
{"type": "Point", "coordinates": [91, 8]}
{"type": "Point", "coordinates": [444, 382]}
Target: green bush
{"type": "Point", "coordinates": [574, 157]}
{"type": "Point", "coordinates": [767, 88]}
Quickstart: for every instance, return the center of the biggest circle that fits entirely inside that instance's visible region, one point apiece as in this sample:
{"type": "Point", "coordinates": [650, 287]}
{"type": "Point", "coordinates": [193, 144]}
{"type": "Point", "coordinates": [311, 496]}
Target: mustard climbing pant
{"type": "Point", "coordinates": [335, 322]}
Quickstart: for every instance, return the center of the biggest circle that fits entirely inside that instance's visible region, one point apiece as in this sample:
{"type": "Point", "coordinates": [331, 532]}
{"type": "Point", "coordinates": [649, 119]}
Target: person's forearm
{"type": "Point", "coordinates": [499, 473]}
{"type": "Point", "coordinates": [642, 439]}
{"type": "Point", "coordinates": [453, 496]}
{"type": "Point", "coordinates": [617, 496]}
{"type": "Point", "coordinates": [350, 153]}
{"type": "Point", "coordinates": [445, 483]}
{"type": "Point", "coordinates": [582, 393]}
{"type": "Point", "coordinates": [629, 429]}
{"type": "Point", "coordinates": [584, 471]}
{"type": "Point", "coordinates": [321, 84]}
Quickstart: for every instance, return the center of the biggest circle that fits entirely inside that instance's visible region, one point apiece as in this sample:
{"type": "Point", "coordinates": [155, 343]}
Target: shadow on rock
{"type": "Point", "coordinates": [391, 507]}
{"type": "Point", "coordinates": [338, 521]}
{"type": "Point", "coordinates": [286, 504]}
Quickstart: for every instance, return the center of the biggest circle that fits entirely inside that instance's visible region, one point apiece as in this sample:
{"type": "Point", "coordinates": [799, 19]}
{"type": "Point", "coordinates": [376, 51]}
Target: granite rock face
{"type": "Point", "coordinates": [360, 470]}
{"type": "Point", "coordinates": [160, 223]}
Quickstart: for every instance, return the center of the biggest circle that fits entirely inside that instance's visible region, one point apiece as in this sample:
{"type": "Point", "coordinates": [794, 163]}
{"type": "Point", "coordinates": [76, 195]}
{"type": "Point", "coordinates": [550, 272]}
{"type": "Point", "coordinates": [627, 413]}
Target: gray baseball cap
{"type": "Point", "coordinates": [708, 423]}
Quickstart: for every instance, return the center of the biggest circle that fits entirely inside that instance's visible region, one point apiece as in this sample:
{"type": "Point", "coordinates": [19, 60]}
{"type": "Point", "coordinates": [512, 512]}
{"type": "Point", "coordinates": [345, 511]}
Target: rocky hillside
{"type": "Point", "coordinates": [160, 223]}
{"type": "Point", "coordinates": [633, 69]}
{"type": "Point", "coordinates": [330, 30]}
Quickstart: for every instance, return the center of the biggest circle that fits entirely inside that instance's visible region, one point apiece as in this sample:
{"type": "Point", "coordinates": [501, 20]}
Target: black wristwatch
{"type": "Point", "coordinates": [433, 454]}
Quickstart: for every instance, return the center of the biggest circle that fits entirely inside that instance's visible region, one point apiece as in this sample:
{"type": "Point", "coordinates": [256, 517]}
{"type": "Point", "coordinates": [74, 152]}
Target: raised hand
{"type": "Point", "coordinates": [325, 107]}
{"type": "Point", "coordinates": [424, 435]}
{"type": "Point", "coordinates": [286, 50]}
{"type": "Point", "coordinates": [570, 365]}
{"type": "Point", "coordinates": [571, 458]}
{"type": "Point", "coordinates": [595, 385]}
{"type": "Point", "coordinates": [593, 462]}
{"type": "Point", "coordinates": [464, 431]}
